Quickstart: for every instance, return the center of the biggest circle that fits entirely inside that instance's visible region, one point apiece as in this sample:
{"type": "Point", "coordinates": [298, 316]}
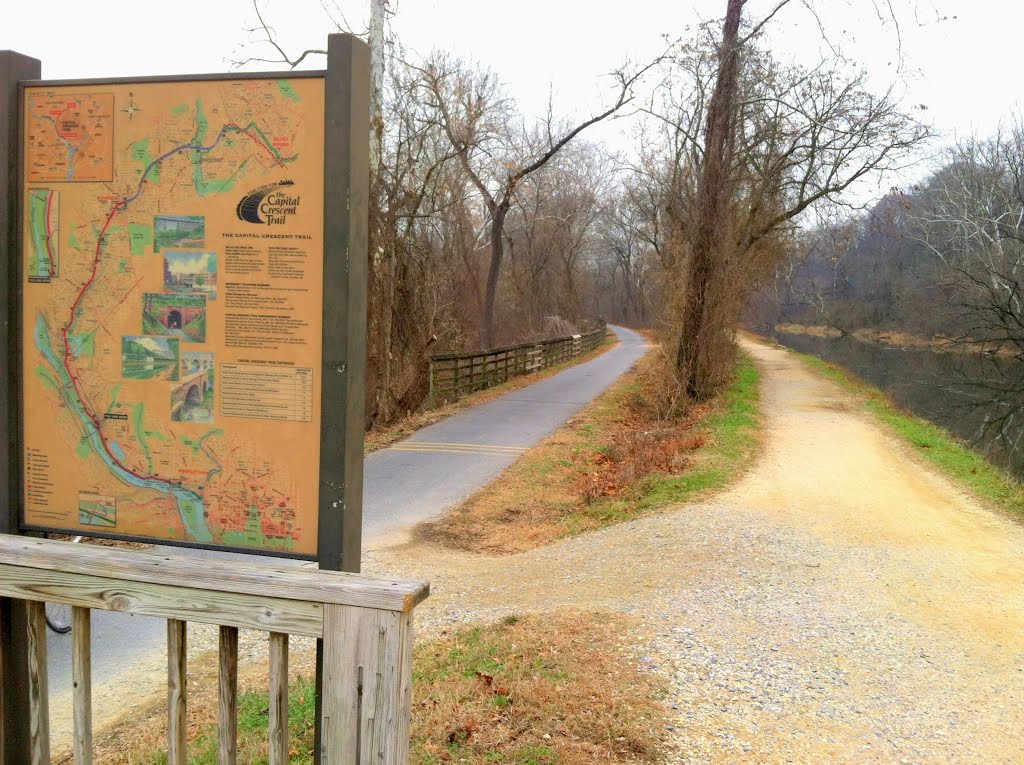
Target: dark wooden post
{"type": "Point", "coordinates": [346, 226]}
{"type": "Point", "coordinates": [14, 697]}
{"type": "Point", "coordinates": [346, 222]}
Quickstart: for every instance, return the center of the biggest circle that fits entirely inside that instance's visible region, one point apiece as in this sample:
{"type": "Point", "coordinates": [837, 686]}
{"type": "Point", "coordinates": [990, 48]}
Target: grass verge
{"type": "Point", "coordinates": [381, 438]}
{"type": "Point", "coordinates": [933, 444]}
{"type": "Point", "coordinates": [557, 689]}
{"type": "Point", "coordinates": [614, 461]}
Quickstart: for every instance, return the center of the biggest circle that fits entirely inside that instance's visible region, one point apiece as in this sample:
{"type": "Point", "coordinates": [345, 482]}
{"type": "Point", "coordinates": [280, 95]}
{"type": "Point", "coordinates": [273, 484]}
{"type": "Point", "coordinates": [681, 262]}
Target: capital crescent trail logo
{"type": "Point", "coordinates": [268, 205]}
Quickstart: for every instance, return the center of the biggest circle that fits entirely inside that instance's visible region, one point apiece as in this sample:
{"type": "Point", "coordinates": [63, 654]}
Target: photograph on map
{"type": "Point", "coordinates": [149, 358]}
{"type": "Point", "coordinates": [191, 272]}
{"type": "Point", "coordinates": [192, 397]}
{"type": "Point", "coordinates": [96, 509]}
{"type": "Point", "coordinates": [184, 231]}
{"type": "Point", "coordinates": [182, 316]}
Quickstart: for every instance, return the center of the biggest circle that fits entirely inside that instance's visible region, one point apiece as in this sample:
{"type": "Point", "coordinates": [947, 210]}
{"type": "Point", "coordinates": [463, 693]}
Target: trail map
{"type": "Point", "coordinates": [172, 265]}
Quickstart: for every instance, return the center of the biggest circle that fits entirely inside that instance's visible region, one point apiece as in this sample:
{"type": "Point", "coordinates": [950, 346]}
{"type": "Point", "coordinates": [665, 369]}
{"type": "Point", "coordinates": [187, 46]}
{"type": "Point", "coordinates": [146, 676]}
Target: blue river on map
{"type": "Point", "coordinates": [190, 504]}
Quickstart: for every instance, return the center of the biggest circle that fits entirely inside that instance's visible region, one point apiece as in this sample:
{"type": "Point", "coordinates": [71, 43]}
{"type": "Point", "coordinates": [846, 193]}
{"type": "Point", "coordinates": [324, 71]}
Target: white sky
{"type": "Point", "coordinates": [966, 67]}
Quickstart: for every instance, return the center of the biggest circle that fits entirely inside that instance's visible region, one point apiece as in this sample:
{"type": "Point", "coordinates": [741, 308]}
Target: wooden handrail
{"type": "Point", "coordinates": [365, 624]}
{"type": "Point", "coordinates": [451, 376]}
{"type": "Point", "coordinates": [242, 578]}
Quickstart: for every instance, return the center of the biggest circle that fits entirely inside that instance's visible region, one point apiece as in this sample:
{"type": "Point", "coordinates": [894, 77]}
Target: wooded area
{"type": "Point", "coordinates": [488, 228]}
{"type": "Point", "coordinates": [942, 259]}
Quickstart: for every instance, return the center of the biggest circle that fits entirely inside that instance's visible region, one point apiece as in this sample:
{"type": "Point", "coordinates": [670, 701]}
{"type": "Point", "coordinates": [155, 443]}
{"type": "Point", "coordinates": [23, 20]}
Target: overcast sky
{"type": "Point", "coordinates": [965, 67]}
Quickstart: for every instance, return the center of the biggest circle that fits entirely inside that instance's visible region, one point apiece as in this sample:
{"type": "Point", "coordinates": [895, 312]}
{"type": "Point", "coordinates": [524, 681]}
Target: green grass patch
{"type": "Point", "coordinates": [937, 446]}
{"type": "Point", "coordinates": [253, 723]}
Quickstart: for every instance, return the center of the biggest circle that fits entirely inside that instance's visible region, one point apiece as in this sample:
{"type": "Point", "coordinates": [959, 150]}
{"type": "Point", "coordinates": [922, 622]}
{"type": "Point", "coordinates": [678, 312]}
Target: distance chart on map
{"type": "Point", "coordinates": [172, 268]}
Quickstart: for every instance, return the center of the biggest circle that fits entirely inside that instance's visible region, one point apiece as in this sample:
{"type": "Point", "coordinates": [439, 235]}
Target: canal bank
{"type": "Point", "coordinates": [913, 403]}
{"type": "Point", "coordinates": [979, 398]}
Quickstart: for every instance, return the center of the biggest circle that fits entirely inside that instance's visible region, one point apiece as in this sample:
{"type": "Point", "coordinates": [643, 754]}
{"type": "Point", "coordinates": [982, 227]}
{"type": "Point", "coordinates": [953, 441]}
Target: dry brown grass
{"type": "Point", "coordinates": [554, 688]}
{"type": "Point", "coordinates": [135, 738]}
{"type": "Point", "coordinates": [381, 438]}
{"type": "Point", "coordinates": [616, 459]}
{"type": "Point", "coordinates": [557, 689]}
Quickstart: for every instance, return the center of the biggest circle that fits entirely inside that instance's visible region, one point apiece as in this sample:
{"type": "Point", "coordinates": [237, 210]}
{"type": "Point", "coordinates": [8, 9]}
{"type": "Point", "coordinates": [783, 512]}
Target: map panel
{"type": "Point", "coordinates": [70, 137]}
{"type": "Point", "coordinates": [156, 216]}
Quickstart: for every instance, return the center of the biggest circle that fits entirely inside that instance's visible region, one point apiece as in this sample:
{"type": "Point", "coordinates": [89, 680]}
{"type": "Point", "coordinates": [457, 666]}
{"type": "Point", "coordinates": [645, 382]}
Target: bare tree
{"type": "Point", "coordinates": [970, 217]}
{"type": "Point", "coordinates": [475, 115]}
{"type": "Point", "coordinates": [629, 240]}
{"type": "Point", "coordinates": [762, 143]}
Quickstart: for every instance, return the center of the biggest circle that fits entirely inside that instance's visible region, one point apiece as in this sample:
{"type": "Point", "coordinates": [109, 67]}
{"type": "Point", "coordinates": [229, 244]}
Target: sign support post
{"type": "Point", "coordinates": [346, 223]}
{"type": "Point", "coordinates": [14, 701]}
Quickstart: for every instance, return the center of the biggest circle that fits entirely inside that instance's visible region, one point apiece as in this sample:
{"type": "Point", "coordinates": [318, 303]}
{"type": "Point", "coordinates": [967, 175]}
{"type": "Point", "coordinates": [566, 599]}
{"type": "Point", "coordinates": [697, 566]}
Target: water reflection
{"type": "Point", "coordinates": [979, 398]}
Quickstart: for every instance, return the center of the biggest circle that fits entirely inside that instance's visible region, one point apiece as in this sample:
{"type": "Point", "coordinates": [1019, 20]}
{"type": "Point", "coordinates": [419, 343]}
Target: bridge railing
{"type": "Point", "coordinates": [365, 624]}
{"type": "Point", "coordinates": [454, 375]}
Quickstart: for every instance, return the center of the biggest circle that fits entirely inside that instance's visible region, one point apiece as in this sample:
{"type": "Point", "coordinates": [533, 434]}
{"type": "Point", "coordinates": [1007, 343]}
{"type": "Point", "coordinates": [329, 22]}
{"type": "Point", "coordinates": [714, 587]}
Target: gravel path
{"type": "Point", "coordinates": [841, 604]}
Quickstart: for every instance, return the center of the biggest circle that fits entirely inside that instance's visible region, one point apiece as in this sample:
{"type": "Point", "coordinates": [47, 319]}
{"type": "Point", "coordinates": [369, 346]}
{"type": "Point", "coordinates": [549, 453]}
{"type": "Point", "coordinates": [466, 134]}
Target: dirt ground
{"type": "Point", "coordinates": [841, 603]}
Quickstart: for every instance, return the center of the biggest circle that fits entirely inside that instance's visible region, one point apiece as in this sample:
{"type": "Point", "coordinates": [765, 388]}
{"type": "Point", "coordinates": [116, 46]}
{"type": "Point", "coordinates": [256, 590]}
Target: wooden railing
{"type": "Point", "coordinates": [454, 375]}
{"type": "Point", "coordinates": [365, 624]}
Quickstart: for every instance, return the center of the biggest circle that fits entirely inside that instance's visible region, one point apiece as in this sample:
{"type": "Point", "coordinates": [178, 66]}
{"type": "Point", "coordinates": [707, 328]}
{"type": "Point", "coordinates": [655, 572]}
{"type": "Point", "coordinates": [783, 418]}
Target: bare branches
{"type": "Point", "coordinates": [759, 26]}
{"type": "Point", "coordinates": [476, 116]}
{"type": "Point", "coordinates": [265, 34]}
{"type": "Point", "coordinates": [751, 146]}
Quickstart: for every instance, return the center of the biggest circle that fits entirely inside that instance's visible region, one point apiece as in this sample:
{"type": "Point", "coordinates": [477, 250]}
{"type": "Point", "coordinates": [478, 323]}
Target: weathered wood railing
{"type": "Point", "coordinates": [454, 375]}
{"type": "Point", "coordinates": [365, 624]}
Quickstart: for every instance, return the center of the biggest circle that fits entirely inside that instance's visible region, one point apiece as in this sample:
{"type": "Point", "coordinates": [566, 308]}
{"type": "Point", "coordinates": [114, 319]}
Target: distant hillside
{"type": "Point", "coordinates": [134, 348]}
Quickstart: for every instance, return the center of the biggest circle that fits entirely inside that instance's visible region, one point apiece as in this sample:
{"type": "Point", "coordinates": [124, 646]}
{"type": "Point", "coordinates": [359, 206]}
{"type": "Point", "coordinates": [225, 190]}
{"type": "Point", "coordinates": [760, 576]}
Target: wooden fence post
{"type": "Point", "coordinates": [346, 228]}
{"type": "Point", "coordinates": [430, 395]}
{"type": "Point", "coordinates": [367, 690]}
{"type": "Point", "coordinates": [177, 692]}
{"type": "Point", "coordinates": [38, 684]}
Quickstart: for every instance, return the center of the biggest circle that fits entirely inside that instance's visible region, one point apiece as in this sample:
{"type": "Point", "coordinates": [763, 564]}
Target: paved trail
{"type": "Point", "coordinates": [841, 604]}
{"type": "Point", "coordinates": [410, 482]}
{"type": "Point", "coordinates": [445, 463]}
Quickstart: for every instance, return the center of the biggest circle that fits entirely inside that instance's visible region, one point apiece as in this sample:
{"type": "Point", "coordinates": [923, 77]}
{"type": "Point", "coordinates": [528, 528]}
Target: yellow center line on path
{"type": "Point", "coordinates": [455, 443]}
{"type": "Point", "coordinates": [456, 448]}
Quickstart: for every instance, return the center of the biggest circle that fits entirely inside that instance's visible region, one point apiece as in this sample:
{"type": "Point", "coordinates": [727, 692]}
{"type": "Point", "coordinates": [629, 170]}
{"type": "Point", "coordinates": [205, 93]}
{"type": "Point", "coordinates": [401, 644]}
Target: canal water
{"type": "Point", "coordinates": [978, 398]}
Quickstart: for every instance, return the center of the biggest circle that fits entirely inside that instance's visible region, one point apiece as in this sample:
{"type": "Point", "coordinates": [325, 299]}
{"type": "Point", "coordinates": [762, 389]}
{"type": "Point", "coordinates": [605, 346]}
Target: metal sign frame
{"type": "Point", "coordinates": [342, 391]}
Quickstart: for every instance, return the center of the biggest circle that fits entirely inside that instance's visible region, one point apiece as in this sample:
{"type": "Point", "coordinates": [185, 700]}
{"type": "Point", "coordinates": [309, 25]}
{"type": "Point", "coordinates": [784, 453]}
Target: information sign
{"type": "Point", "coordinates": [172, 268]}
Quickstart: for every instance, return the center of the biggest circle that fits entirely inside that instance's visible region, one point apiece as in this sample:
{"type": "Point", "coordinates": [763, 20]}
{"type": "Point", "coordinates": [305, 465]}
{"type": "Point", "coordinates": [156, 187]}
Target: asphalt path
{"type": "Point", "coordinates": [444, 463]}
{"type": "Point", "coordinates": [411, 481]}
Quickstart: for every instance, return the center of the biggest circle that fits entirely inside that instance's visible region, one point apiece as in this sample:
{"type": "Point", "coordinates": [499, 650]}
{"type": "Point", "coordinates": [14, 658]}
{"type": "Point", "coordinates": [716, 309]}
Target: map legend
{"type": "Point", "coordinates": [266, 392]}
{"type": "Point", "coordinates": [38, 486]}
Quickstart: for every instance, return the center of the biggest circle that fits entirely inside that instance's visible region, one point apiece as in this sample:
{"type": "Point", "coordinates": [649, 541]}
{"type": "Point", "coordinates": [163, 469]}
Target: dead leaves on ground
{"type": "Point", "coordinates": [637, 447]}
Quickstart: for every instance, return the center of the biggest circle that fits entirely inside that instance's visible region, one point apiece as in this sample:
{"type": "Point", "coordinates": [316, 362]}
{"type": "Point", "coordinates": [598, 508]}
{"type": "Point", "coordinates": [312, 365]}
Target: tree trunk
{"type": "Point", "coordinates": [497, 252]}
{"type": "Point", "coordinates": [375, 39]}
{"type": "Point", "coordinates": [388, 265]}
{"type": "Point", "coordinates": [699, 344]}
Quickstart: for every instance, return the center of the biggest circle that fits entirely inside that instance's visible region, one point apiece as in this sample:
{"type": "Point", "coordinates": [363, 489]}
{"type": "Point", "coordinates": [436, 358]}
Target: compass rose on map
{"type": "Point", "coordinates": [131, 108]}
